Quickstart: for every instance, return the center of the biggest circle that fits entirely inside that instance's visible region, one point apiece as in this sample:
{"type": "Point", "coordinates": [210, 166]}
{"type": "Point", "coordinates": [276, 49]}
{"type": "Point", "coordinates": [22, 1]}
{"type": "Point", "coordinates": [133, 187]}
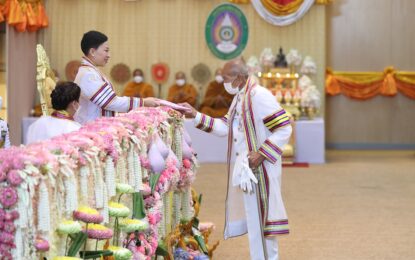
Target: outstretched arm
{"type": "Point", "coordinates": [216, 126]}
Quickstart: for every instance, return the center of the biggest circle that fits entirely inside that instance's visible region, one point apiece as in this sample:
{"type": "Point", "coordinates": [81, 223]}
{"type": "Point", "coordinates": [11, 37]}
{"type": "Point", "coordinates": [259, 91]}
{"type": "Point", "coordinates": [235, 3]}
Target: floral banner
{"type": "Point", "coordinates": [365, 85]}
{"type": "Point", "coordinates": [284, 12]}
{"type": "Point", "coordinates": [24, 15]}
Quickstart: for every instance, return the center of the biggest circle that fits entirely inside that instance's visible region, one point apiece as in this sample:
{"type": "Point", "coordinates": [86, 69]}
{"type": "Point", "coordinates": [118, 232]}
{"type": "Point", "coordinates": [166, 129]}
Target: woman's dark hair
{"type": "Point", "coordinates": [92, 39]}
{"type": "Point", "coordinates": [63, 94]}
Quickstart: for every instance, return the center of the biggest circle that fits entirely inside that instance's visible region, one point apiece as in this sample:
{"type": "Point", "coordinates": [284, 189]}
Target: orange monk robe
{"type": "Point", "coordinates": [180, 94]}
{"type": "Point", "coordinates": [141, 90]}
{"type": "Point", "coordinates": [213, 105]}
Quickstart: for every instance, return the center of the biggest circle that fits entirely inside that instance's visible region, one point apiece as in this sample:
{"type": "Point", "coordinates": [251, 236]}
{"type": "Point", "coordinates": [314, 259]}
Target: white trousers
{"type": "Point", "coordinates": [254, 231]}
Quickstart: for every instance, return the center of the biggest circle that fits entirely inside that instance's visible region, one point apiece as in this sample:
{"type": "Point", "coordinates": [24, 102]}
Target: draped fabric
{"type": "Point", "coordinates": [365, 85]}
{"type": "Point", "coordinates": [282, 7]}
{"type": "Point", "coordinates": [24, 15]}
{"type": "Point", "coordinates": [282, 13]}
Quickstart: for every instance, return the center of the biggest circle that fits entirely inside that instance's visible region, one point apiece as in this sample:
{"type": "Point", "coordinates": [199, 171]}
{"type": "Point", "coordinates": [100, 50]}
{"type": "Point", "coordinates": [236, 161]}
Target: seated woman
{"type": "Point", "coordinates": [65, 102]}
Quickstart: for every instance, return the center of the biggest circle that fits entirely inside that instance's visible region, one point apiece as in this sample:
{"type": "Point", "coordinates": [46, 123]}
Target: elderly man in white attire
{"type": "Point", "coordinates": [257, 129]}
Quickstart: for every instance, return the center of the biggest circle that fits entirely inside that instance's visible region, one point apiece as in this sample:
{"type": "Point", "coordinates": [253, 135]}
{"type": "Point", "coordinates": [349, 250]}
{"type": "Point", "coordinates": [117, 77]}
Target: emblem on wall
{"type": "Point", "coordinates": [226, 31]}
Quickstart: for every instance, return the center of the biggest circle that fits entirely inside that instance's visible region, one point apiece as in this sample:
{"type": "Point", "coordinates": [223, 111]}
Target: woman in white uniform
{"type": "Point", "coordinates": [65, 102]}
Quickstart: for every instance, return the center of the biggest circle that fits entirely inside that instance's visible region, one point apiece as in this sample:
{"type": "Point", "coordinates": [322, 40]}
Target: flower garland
{"type": "Point", "coordinates": [93, 163]}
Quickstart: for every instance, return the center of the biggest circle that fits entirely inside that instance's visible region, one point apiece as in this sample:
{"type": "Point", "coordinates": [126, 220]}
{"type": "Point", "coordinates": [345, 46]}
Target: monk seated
{"type": "Point", "coordinates": [217, 101]}
{"type": "Point", "coordinates": [138, 87]}
{"type": "Point", "coordinates": [181, 92]}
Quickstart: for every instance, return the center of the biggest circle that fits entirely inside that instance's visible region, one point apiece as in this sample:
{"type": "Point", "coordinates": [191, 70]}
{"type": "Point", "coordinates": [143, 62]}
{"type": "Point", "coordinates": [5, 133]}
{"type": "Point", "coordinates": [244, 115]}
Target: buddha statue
{"type": "Point", "coordinates": [280, 61]}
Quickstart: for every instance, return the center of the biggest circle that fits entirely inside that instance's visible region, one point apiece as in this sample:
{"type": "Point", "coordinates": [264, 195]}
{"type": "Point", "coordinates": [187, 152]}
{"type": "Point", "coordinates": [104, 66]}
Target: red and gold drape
{"type": "Point", "coordinates": [24, 15]}
{"type": "Point", "coordinates": [365, 85]}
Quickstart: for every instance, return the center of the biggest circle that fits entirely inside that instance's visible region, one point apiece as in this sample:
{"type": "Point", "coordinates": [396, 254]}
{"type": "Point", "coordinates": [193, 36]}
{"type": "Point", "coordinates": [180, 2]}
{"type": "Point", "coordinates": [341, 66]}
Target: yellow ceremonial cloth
{"type": "Point", "coordinates": [217, 101]}
{"type": "Point", "coordinates": [141, 90]}
{"type": "Point", "coordinates": [180, 94]}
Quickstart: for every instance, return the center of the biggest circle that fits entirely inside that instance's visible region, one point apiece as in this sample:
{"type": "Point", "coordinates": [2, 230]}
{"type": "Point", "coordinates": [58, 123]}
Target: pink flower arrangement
{"type": "Point", "coordinates": [99, 232]}
{"type": "Point", "coordinates": [6, 238]}
{"type": "Point", "coordinates": [8, 226]}
{"type": "Point", "coordinates": [88, 215]}
{"type": "Point", "coordinates": [41, 245]}
{"type": "Point", "coordinates": [14, 178]}
{"type": "Point", "coordinates": [3, 176]}
{"type": "Point", "coordinates": [154, 218]}
{"type": "Point", "coordinates": [187, 164]}
{"type": "Point", "coordinates": [105, 135]}
{"type": "Point", "coordinates": [8, 197]}
{"type": "Point", "coordinates": [145, 162]}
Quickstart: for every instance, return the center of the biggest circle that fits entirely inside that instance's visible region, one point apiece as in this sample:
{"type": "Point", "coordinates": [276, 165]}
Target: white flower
{"type": "Point", "coordinates": [304, 82]}
{"type": "Point", "coordinates": [311, 97]}
{"type": "Point", "coordinates": [309, 66]}
{"type": "Point", "coordinates": [253, 65]}
{"type": "Point", "coordinates": [267, 58]}
{"type": "Point", "coordinates": [294, 57]}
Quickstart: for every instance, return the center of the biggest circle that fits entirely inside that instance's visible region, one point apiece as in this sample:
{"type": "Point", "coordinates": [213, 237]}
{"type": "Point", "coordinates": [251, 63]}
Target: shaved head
{"type": "Point", "coordinates": [138, 72]}
{"type": "Point", "coordinates": [236, 72]}
{"type": "Point", "coordinates": [218, 71]}
{"type": "Point", "coordinates": [180, 75]}
{"type": "Point", "coordinates": [235, 68]}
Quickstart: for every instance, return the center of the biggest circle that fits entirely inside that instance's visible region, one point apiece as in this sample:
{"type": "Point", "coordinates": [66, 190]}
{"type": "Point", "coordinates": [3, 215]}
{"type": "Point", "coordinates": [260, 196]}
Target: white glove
{"type": "Point", "coordinates": [242, 174]}
{"type": "Point", "coordinates": [247, 177]}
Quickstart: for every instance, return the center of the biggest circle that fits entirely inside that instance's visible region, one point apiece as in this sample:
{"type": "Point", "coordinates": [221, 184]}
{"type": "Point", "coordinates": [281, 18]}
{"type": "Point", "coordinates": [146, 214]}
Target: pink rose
{"type": "Point", "coordinates": [3, 176]}
{"type": "Point", "coordinates": [8, 197]}
{"type": "Point", "coordinates": [14, 178]}
{"type": "Point", "coordinates": [9, 227]}
{"type": "Point", "coordinates": [187, 164]}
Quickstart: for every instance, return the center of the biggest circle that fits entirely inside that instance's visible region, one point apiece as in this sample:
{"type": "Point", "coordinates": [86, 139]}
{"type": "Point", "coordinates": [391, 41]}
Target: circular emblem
{"type": "Point", "coordinates": [201, 73]}
{"type": "Point", "coordinates": [226, 31]}
{"type": "Point", "coordinates": [120, 73]}
{"type": "Point", "coordinates": [160, 72]}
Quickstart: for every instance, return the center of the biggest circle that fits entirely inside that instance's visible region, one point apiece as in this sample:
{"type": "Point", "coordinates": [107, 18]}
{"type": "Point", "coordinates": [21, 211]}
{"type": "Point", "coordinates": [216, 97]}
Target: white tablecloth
{"type": "Point", "coordinates": [209, 148]}
{"type": "Point", "coordinates": [309, 134]}
{"type": "Point", "coordinates": [310, 146]}
{"type": "Point", "coordinates": [310, 142]}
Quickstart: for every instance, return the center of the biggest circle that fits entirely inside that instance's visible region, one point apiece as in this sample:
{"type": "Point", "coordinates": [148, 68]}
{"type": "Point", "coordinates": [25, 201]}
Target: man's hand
{"type": "Point", "coordinates": [151, 102]}
{"type": "Point", "coordinates": [255, 159]}
{"type": "Point", "coordinates": [191, 113]}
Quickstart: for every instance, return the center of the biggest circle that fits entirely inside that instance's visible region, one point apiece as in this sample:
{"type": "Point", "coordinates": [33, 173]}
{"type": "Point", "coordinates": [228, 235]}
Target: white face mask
{"type": "Point", "coordinates": [219, 79]}
{"type": "Point", "coordinates": [230, 89]}
{"type": "Point", "coordinates": [138, 79]}
{"type": "Point", "coordinates": [180, 82]}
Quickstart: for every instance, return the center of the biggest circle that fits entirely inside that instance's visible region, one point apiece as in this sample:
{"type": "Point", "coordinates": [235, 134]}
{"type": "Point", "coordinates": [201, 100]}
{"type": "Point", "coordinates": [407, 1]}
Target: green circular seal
{"type": "Point", "coordinates": [226, 31]}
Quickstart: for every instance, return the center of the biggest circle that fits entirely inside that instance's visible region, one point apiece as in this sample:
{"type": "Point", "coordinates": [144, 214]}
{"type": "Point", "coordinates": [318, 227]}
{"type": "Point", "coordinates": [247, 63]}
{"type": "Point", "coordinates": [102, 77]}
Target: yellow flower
{"type": "Point", "coordinates": [118, 210]}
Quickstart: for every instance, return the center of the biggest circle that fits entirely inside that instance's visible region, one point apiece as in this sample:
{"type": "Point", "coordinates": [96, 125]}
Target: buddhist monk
{"type": "Point", "coordinates": [217, 101]}
{"type": "Point", "coordinates": [138, 87]}
{"type": "Point", "coordinates": [182, 92]}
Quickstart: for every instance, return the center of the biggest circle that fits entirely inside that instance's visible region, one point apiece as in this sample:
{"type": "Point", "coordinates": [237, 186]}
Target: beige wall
{"type": "Point", "coordinates": [21, 79]}
{"type": "Point", "coordinates": [368, 36]}
{"type": "Point", "coordinates": [3, 89]}
{"type": "Point", "coordinates": [144, 32]}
